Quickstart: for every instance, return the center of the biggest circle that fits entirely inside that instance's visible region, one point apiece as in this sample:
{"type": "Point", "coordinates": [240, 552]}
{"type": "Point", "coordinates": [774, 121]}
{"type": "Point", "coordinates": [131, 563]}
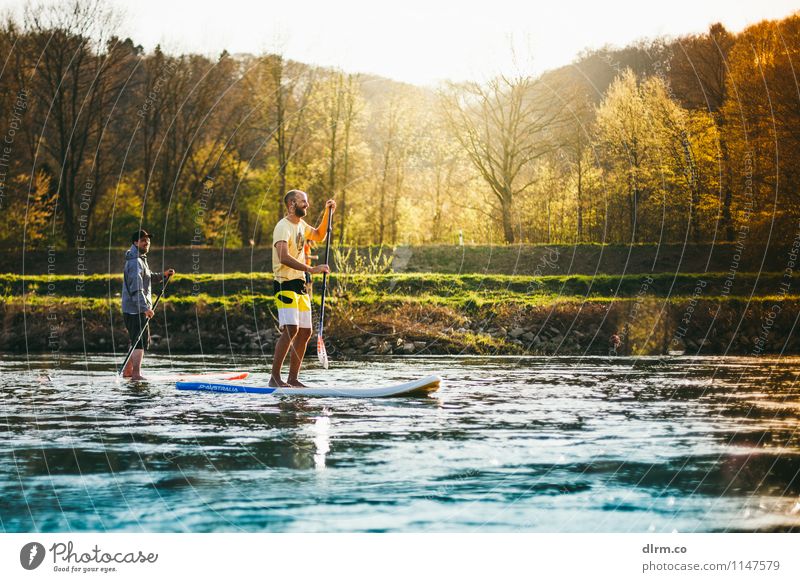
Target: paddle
{"type": "Point", "coordinates": [144, 327]}
{"type": "Point", "coordinates": [322, 354]}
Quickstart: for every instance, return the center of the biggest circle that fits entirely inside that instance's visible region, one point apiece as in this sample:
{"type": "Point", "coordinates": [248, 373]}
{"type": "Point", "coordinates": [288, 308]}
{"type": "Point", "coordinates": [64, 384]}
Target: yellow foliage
{"type": "Point", "coordinates": [26, 211]}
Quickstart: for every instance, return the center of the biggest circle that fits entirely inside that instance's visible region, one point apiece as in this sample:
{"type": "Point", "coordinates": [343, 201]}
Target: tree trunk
{"type": "Point", "coordinates": [280, 133]}
{"type": "Point", "coordinates": [632, 212]}
{"type": "Point", "coordinates": [694, 191]}
{"type": "Point", "coordinates": [348, 121]}
{"type": "Point", "coordinates": [437, 209]}
{"type": "Point", "coordinates": [384, 180]}
{"type": "Point", "coordinates": [727, 198]}
{"type": "Point", "coordinates": [580, 199]}
{"type": "Point", "coordinates": [343, 199]}
{"type": "Point", "coordinates": [69, 219]}
{"type": "Point", "coordinates": [506, 208]}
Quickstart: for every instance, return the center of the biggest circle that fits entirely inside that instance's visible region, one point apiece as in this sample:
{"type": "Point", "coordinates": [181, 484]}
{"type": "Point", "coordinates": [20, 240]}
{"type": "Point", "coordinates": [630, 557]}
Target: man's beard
{"type": "Point", "coordinates": [299, 211]}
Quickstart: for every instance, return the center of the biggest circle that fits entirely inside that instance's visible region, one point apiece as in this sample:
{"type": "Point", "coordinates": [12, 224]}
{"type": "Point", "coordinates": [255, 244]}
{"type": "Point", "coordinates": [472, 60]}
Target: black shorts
{"type": "Point", "coordinates": [295, 285]}
{"type": "Point", "coordinates": [134, 325]}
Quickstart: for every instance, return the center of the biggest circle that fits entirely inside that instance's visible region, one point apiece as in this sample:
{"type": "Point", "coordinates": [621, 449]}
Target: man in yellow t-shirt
{"type": "Point", "coordinates": [289, 268]}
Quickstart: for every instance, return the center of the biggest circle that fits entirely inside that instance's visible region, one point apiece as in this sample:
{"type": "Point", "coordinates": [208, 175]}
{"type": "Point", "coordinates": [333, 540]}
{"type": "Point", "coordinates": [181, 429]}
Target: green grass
{"type": "Point", "coordinates": [467, 301]}
{"type": "Point", "coordinates": [459, 287]}
{"type": "Point", "coordinates": [105, 285]}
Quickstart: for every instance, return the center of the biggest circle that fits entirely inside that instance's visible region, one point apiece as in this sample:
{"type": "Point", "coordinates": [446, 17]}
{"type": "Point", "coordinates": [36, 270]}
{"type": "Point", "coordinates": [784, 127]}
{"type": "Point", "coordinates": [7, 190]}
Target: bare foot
{"type": "Point", "coordinates": [137, 378]}
{"type": "Point", "coordinates": [296, 383]}
{"type": "Point", "coordinates": [277, 382]}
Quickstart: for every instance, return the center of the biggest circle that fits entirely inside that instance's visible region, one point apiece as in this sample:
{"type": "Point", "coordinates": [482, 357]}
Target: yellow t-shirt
{"type": "Point", "coordinates": [295, 237]}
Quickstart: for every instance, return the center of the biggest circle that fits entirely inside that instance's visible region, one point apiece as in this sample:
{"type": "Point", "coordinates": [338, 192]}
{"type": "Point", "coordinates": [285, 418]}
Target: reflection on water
{"type": "Point", "coordinates": [509, 444]}
{"type": "Point", "coordinates": [322, 439]}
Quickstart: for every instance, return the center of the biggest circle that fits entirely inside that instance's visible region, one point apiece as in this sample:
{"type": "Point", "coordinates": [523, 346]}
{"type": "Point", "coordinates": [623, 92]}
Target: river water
{"type": "Point", "coordinates": [561, 444]}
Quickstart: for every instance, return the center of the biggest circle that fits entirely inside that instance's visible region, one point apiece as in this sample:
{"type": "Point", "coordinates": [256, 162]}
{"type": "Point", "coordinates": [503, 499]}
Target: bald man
{"type": "Point", "coordinates": [289, 273]}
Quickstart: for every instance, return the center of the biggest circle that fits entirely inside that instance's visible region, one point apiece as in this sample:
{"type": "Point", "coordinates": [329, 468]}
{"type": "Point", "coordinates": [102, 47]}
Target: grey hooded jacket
{"type": "Point", "coordinates": [136, 279]}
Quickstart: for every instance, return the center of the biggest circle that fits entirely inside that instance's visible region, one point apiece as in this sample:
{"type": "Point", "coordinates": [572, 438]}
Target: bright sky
{"type": "Point", "coordinates": [422, 41]}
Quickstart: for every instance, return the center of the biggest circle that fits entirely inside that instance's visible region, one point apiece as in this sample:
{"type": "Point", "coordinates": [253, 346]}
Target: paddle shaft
{"type": "Point", "coordinates": [325, 275]}
{"type": "Point", "coordinates": [144, 328]}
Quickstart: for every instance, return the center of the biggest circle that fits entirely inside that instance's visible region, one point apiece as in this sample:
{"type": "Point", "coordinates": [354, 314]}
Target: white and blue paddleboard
{"type": "Point", "coordinates": [420, 387]}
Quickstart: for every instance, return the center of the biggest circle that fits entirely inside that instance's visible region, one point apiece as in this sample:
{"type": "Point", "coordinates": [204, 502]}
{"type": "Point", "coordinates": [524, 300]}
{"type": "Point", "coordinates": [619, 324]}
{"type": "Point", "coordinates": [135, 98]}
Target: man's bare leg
{"type": "Point", "coordinates": [281, 349]}
{"type": "Point", "coordinates": [299, 345]}
{"type": "Point", "coordinates": [136, 364]}
{"type": "Point", "coordinates": [128, 371]}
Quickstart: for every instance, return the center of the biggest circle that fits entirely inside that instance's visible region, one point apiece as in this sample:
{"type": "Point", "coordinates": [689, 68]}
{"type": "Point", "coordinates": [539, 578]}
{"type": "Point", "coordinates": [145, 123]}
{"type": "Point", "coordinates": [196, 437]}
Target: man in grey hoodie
{"type": "Point", "coordinates": [137, 300]}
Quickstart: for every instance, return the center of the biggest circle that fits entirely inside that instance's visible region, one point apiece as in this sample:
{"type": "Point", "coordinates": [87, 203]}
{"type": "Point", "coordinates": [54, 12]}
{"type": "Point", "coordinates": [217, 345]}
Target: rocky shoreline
{"type": "Point", "coordinates": [648, 326]}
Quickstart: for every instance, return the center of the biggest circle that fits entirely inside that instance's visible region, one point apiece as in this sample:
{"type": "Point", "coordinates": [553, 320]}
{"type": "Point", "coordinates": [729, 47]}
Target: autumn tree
{"type": "Point", "coordinates": [289, 86]}
{"type": "Point", "coordinates": [74, 92]}
{"type": "Point", "coordinates": [504, 126]}
{"type": "Point", "coordinates": [763, 125]}
{"type": "Point", "coordinates": [699, 76]}
{"type": "Point", "coordinates": [575, 141]}
{"type": "Point", "coordinates": [625, 134]}
{"type": "Point", "coordinates": [340, 108]}
{"type": "Point", "coordinates": [390, 140]}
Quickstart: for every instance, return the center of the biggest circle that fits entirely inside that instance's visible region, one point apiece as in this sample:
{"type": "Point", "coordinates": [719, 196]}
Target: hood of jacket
{"type": "Point", "coordinates": [133, 253]}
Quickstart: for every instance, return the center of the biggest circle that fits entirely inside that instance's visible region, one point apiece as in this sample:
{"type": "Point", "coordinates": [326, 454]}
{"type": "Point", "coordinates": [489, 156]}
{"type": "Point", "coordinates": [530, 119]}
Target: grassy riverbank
{"type": "Point", "coordinates": [493, 300]}
{"type": "Point", "coordinates": [436, 287]}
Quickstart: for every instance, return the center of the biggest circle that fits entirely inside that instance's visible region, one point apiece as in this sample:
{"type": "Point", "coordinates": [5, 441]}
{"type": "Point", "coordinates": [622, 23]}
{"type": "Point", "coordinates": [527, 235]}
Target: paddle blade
{"type": "Point", "coordinates": [321, 353]}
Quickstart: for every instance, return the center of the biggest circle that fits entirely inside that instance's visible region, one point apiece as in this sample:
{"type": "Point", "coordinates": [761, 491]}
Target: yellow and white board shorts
{"type": "Point", "coordinates": [293, 303]}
